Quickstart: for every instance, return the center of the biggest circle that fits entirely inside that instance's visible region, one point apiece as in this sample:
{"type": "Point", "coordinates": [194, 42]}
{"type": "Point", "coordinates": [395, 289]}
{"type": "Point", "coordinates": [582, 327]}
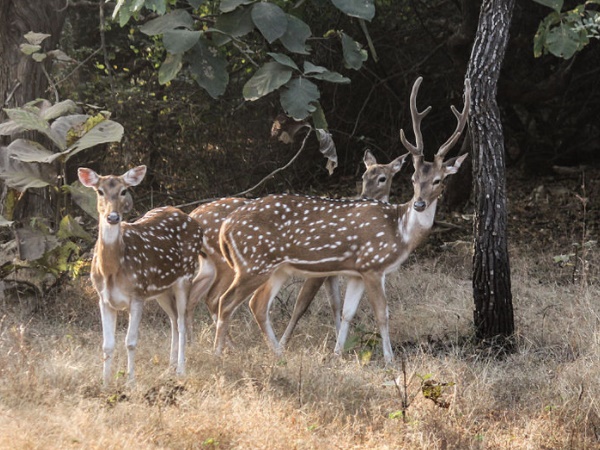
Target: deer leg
{"type": "Point", "coordinates": [135, 316]}
{"type": "Point", "coordinates": [168, 303]}
{"type": "Point", "coordinates": [240, 290]}
{"type": "Point", "coordinates": [332, 287]}
{"type": "Point", "coordinates": [354, 291]}
{"type": "Point", "coordinates": [182, 289]}
{"type": "Point", "coordinates": [109, 325]}
{"type": "Point", "coordinates": [305, 297]}
{"type": "Point", "coordinates": [200, 286]}
{"type": "Point", "coordinates": [376, 295]}
{"type": "Point", "coordinates": [260, 304]}
{"type": "Point", "coordinates": [224, 278]}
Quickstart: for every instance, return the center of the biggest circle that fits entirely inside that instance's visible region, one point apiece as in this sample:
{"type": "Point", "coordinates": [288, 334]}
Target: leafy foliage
{"type": "Point", "coordinates": [202, 39]}
{"type": "Point", "coordinates": [565, 33]}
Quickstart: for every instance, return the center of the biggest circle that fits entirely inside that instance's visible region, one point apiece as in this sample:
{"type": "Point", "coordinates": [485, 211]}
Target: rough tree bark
{"type": "Point", "coordinates": [493, 315]}
{"type": "Point", "coordinates": [21, 78]}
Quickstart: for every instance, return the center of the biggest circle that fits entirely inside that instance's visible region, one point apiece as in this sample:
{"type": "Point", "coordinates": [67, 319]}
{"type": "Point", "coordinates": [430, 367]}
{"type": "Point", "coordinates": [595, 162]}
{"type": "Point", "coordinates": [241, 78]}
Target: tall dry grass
{"type": "Point", "coordinates": [542, 396]}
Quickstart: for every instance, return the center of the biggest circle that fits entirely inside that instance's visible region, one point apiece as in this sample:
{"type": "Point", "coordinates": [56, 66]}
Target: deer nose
{"type": "Point", "coordinates": [419, 205]}
{"type": "Point", "coordinates": [113, 218]}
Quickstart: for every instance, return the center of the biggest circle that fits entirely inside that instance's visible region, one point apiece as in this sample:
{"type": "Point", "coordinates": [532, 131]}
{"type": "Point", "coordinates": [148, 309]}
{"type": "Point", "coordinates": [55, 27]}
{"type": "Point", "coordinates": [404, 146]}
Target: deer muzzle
{"type": "Point", "coordinates": [113, 218]}
{"type": "Point", "coordinates": [419, 205]}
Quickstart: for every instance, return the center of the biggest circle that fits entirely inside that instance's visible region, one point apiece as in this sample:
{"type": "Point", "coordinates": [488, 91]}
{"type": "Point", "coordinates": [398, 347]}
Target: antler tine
{"type": "Point", "coordinates": [462, 121]}
{"type": "Point", "coordinates": [416, 122]}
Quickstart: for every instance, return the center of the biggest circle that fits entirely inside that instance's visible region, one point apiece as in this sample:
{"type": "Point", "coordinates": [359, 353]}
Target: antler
{"type": "Point", "coordinates": [462, 121]}
{"type": "Point", "coordinates": [416, 121]}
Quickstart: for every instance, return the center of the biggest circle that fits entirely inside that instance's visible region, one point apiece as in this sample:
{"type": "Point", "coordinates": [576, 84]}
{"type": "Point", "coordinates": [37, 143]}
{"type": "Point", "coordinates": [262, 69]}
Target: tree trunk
{"type": "Point", "coordinates": [21, 78]}
{"type": "Point", "coordinates": [493, 314]}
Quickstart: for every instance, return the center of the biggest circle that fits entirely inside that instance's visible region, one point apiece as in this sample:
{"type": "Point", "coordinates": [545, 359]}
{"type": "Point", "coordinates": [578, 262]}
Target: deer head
{"type": "Point", "coordinates": [429, 176]}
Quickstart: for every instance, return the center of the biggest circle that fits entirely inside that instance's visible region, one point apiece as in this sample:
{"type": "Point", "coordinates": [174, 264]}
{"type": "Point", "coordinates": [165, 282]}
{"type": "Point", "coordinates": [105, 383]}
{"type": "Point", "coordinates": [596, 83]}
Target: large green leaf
{"type": "Point", "coordinates": [237, 23]}
{"type": "Point", "coordinates": [297, 100]}
{"type": "Point", "coordinates": [36, 38]}
{"type": "Point", "coordinates": [556, 5]}
{"type": "Point", "coordinates": [64, 124]}
{"type": "Point", "coordinates": [180, 41]}
{"type": "Point", "coordinates": [33, 244]}
{"type": "Point", "coordinates": [208, 68]}
{"type": "Point", "coordinates": [70, 228]}
{"type": "Point", "coordinates": [169, 68]}
{"type": "Point", "coordinates": [283, 59]}
{"type": "Point", "coordinates": [229, 5]}
{"type": "Point", "coordinates": [106, 131]}
{"type": "Point", "coordinates": [29, 119]}
{"type": "Point", "coordinates": [29, 151]}
{"type": "Point", "coordinates": [363, 9]}
{"type": "Point", "coordinates": [178, 18]}
{"type": "Point", "coordinates": [563, 41]}
{"type": "Point", "coordinates": [83, 197]}
{"type": "Point", "coordinates": [270, 20]}
{"type": "Point", "coordinates": [322, 73]}
{"type": "Point", "coordinates": [10, 127]}
{"type": "Point", "coordinates": [58, 109]}
{"type": "Point", "coordinates": [295, 36]}
{"type": "Point", "coordinates": [22, 176]}
{"type": "Point", "coordinates": [268, 78]}
{"type": "Point", "coordinates": [354, 54]}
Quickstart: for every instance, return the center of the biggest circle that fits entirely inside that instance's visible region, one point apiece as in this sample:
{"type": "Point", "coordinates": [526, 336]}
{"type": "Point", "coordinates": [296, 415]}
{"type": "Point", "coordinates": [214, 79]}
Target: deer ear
{"type": "Point", "coordinates": [453, 164]}
{"type": "Point", "coordinates": [369, 159]}
{"type": "Point", "coordinates": [88, 177]}
{"type": "Point", "coordinates": [398, 163]}
{"type": "Point", "coordinates": [134, 176]}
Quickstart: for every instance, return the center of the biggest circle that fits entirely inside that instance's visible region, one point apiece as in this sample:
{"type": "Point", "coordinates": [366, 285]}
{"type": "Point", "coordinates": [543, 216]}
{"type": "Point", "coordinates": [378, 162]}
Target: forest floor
{"type": "Point", "coordinates": [443, 392]}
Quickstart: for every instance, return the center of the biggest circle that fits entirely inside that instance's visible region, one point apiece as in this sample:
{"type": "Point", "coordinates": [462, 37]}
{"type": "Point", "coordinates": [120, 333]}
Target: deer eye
{"type": "Point", "coordinates": [382, 179]}
{"type": "Point", "coordinates": [123, 192]}
{"type": "Point", "coordinates": [437, 181]}
{"type": "Point", "coordinates": [100, 192]}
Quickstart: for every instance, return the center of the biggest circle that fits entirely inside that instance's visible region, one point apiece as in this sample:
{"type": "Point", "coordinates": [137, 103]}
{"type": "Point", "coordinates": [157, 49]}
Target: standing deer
{"type": "Point", "coordinates": [152, 258]}
{"type": "Point", "coordinates": [281, 235]}
{"type": "Point", "coordinates": [215, 275]}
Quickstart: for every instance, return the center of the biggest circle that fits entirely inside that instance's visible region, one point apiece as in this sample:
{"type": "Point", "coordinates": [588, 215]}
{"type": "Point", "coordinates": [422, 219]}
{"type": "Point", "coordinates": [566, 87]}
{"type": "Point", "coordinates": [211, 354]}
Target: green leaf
{"type": "Point", "coordinates": [563, 41]}
{"type": "Point", "coordinates": [59, 109]}
{"type": "Point", "coordinates": [64, 124]}
{"type": "Point", "coordinates": [318, 118]}
{"type": "Point", "coordinates": [169, 68]}
{"type": "Point", "coordinates": [195, 3]}
{"type": "Point", "coordinates": [30, 49]}
{"type": "Point", "coordinates": [295, 36]}
{"type": "Point", "coordinates": [284, 60]}
{"type": "Point", "coordinates": [268, 78]}
{"type": "Point", "coordinates": [70, 228]}
{"type": "Point", "coordinates": [237, 23]}
{"type": "Point", "coordinates": [332, 77]}
{"type": "Point", "coordinates": [270, 20]}
{"type": "Point", "coordinates": [363, 9]}
{"type": "Point", "coordinates": [556, 5]}
{"type": "Point", "coordinates": [29, 151]}
{"type": "Point", "coordinates": [229, 5]}
{"type": "Point", "coordinates": [83, 197]}
{"type": "Point", "coordinates": [158, 6]}
{"type": "Point", "coordinates": [297, 100]}
{"type": "Point", "coordinates": [10, 127]}
{"type": "Point", "coordinates": [354, 55]}
{"type": "Point", "coordinates": [33, 243]}
{"type": "Point", "coordinates": [22, 176]}
{"type": "Point", "coordinates": [178, 18]}
{"type": "Point", "coordinates": [36, 38]}
{"type": "Point", "coordinates": [39, 57]}
{"type": "Point", "coordinates": [208, 68]}
{"type": "Point", "coordinates": [180, 41]}
{"type": "Point", "coordinates": [106, 131]}
{"type": "Point", "coordinates": [30, 120]}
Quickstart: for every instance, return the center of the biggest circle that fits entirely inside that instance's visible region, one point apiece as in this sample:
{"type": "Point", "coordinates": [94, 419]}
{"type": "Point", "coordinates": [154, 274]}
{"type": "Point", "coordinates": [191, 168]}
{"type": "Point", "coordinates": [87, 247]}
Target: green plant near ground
{"type": "Point", "coordinates": [54, 134]}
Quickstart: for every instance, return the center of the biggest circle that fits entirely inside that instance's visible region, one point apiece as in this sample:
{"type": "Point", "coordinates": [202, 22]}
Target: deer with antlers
{"type": "Point", "coordinates": [152, 258]}
{"type": "Point", "coordinates": [215, 275]}
{"type": "Point", "coordinates": [274, 237]}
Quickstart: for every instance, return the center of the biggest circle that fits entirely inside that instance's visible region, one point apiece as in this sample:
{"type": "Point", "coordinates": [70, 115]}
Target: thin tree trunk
{"type": "Point", "coordinates": [22, 79]}
{"type": "Point", "coordinates": [493, 314]}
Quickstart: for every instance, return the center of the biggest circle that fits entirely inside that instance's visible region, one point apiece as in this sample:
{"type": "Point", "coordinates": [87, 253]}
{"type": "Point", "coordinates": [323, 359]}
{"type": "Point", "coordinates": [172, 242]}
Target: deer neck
{"type": "Point", "coordinates": [414, 226]}
{"type": "Point", "coordinates": [109, 249]}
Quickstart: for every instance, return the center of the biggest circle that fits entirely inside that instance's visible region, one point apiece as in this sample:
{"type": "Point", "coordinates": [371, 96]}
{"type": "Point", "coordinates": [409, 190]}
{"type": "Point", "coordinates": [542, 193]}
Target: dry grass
{"type": "Point", "coordinates": [543, 396]}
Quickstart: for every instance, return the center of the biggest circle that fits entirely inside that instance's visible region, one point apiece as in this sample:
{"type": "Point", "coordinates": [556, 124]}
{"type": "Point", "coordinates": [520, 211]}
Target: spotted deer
{"type": "Point", "coordinates": [152, 258]}
{"type": "Point", "coordinates": [215, 275]}
{"type": "Point", "coordinates": [274, 237]}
